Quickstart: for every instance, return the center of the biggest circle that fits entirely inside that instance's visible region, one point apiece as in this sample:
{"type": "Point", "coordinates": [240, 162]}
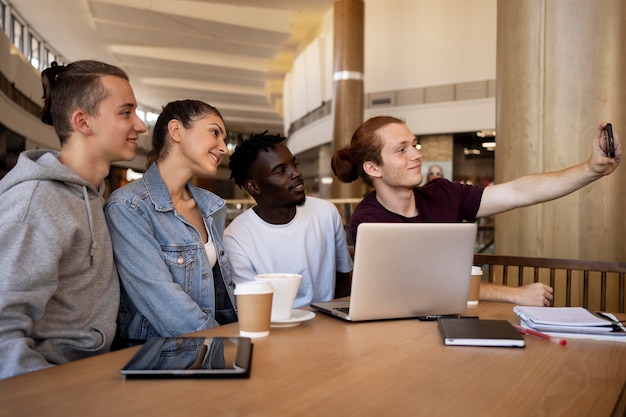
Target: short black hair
{"type": "Point", "coordinates": [246, 153]}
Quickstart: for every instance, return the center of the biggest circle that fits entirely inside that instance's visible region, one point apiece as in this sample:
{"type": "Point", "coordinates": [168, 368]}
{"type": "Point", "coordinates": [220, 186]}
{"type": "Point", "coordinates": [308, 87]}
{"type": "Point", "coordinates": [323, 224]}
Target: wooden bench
{"type": "Point", "coordinates": [590, 284]}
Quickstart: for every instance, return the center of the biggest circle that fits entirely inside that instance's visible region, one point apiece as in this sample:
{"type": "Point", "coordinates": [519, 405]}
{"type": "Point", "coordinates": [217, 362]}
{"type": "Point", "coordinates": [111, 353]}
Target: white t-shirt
{"type": "Point", "coordinates": [312, 244]}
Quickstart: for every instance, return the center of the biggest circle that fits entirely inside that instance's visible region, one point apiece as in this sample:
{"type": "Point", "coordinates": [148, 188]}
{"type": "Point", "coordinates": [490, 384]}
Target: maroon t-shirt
{"type": "Point", "coordinates": [439, 201]}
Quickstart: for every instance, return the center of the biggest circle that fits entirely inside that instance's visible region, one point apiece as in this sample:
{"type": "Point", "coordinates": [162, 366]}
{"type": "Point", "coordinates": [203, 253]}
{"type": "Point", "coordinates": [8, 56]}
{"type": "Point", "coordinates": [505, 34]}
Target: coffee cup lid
{"type": "Point", "coordinates": [253, 287]}
{"type": "Point", "coordinates": [477, 270]}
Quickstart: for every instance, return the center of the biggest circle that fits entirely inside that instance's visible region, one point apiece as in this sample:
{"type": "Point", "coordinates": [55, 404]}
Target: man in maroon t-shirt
{"type": "Point", "coordinates": [383, 153]}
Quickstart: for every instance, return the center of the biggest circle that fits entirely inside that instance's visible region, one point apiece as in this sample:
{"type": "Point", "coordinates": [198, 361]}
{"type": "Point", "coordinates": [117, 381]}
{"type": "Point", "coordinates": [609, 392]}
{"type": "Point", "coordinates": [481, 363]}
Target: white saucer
{"type": "Point", "coordinates": [297, 317]}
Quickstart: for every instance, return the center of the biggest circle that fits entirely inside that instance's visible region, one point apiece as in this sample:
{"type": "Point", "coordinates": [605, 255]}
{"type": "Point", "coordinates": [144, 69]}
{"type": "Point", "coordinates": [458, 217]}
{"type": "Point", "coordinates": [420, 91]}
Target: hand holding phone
{"type": "Point", "coordinates": [610, 145]}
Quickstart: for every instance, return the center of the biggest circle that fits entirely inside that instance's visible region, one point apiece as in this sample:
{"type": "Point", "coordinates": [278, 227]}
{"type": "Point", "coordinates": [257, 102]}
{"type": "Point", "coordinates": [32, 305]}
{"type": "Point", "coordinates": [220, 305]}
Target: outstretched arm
{"type": "Point", "coordinates": [536, 294]}
{"type": "Point", "coordinates": [538, 188]}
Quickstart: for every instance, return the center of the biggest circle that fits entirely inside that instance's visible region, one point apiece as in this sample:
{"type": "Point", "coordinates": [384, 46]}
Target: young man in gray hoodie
{"type": "Point", "coordinates": [59, 291]}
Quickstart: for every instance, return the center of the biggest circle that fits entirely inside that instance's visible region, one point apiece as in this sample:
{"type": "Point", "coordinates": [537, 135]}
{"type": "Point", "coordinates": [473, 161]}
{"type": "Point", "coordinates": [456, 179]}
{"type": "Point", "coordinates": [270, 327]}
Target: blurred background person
{"type": "Point", "coordinates": [434, 171]}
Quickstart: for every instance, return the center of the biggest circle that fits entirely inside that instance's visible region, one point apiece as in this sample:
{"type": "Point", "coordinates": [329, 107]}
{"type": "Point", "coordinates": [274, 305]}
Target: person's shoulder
{"type": "Point", "coordinates": [205, 193]}
{"type": "Point", "coordinates": [128, 192]}
{"type": "Point", "coordinates": [29, 171]}
{"type": "Point", "coordinates": [368, 198]}
{"type": "Point", "coordinates": [35, 191]}
{"type": "Point", "coordinates": [41, 203]}
{"type": "Point", "coordinates": [435, 183]}
{"type": "Point", "coordinates": [441, 184]}
{"type": "Point", "coordinates": [317, 207]}
{"type": "Point", "coordinates": [441, 195]}
{"type": "Point", "coordinates": [208, 199]}
{"type": "Point", "coordinates": [241, 223]}
{"type": "Point", "coordinates": [317, 202]}
{"type": "Point", "coordinates": [15, 201]}
{"type": "Point", "coordinates": [368, 202]}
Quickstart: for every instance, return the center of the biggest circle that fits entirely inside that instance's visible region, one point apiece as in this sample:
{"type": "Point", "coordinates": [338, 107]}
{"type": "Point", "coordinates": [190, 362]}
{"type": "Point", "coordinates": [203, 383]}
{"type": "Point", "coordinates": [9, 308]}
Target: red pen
{"type": "Point", "coordinates": [553, 339]}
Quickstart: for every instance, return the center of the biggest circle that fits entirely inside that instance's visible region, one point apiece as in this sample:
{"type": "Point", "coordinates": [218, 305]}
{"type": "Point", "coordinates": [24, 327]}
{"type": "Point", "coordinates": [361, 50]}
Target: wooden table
{"type": "Point", "coordinates": [327, 367]}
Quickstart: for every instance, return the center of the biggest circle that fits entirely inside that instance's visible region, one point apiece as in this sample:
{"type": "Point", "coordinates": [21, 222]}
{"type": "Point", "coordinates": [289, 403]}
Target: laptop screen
{"type": "Point", "coordinates": [411, 269]}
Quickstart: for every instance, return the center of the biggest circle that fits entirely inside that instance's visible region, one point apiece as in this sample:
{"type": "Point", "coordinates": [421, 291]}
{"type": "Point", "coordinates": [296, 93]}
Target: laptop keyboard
{"type": "Point", "coordinates": [345, 310]}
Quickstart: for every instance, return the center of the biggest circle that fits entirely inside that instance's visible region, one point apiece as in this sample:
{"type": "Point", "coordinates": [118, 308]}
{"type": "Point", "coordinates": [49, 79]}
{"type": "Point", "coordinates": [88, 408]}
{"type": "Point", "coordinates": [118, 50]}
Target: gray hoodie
{"type": "Point", "coordinates": [59, 291]}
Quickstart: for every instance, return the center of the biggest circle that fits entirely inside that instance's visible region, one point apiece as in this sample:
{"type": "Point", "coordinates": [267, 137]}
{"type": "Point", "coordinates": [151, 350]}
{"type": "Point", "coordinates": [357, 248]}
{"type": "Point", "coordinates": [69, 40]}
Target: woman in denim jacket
{"type": "Point", "coordinates": [167, 233]}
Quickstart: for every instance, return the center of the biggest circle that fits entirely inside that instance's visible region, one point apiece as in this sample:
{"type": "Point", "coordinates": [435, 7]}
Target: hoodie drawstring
{"type": "Point", "coordinates": [90, 219]}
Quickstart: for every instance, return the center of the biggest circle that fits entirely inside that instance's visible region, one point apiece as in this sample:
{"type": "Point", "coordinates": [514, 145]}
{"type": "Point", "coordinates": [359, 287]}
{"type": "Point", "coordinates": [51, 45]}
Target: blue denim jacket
{"type": "Point", "coordinates": [168, 285]}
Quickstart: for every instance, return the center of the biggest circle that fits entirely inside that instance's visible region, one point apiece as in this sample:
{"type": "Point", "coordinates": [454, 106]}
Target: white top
{"type": "Point", "coordinates": [210, 252]}
{"type": "Point", "coordinates": [313, 244]}
{"type": "Point", "coordinates": [209, 248]}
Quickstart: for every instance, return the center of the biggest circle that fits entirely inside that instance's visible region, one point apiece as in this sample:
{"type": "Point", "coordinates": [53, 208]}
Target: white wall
{"type": "Point", "coordinates": [409, 44]}
{"type": "Point", "coordinates": [426, 119]}
{"type": "Point", "coordinates": [419, 43]}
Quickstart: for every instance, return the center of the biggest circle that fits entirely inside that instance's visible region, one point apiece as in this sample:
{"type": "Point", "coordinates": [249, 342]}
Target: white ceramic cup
{"type": "Point", "coordinates": [476, 277]}
{"type": "Point", "coordinates": [285, 290]}
{"type": "Point", "coordinates": [254, 308]}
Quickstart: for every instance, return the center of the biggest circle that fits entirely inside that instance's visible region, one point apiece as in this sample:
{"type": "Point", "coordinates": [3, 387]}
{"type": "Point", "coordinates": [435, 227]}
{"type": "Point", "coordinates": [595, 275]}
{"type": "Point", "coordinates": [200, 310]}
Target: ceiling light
{"type": "Point", "coordinates": [471, 151]}
{"type": "Point", "coordinates": [486, 133]}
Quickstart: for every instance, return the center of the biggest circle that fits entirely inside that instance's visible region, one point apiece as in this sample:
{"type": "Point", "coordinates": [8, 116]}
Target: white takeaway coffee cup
{"type": "Point", "coordinates": [286, 287]}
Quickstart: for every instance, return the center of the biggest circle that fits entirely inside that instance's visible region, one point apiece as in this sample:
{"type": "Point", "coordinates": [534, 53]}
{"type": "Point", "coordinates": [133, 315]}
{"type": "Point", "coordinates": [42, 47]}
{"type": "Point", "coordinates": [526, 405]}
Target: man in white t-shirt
{"type": "Point", "coordinates": [286, 231]}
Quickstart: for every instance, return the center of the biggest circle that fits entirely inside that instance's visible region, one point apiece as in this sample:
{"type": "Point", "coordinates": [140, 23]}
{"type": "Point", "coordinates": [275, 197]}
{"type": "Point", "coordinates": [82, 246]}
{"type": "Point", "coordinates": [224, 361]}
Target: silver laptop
{"type": "Point", "coordinates": [406, 270]}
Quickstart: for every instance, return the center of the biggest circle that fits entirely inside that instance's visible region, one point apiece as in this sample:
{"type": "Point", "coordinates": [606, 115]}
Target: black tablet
{"type": "Point", "coordinates": [191, 357]}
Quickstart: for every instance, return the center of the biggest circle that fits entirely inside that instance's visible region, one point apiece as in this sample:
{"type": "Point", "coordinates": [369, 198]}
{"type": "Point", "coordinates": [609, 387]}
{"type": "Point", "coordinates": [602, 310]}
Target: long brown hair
{"type": "Point", "coordinates": [365, 145]}
{"type": "Point", "coordinates": [186, 112]}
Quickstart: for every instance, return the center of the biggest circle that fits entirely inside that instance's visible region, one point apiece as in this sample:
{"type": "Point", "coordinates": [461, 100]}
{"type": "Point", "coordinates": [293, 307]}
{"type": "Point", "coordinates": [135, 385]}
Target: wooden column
{"type": "Point", "coordinates": [348, 82]}
{"type": "Point", "coordinates": [559, 73]}
{"type": "Point", "coordinates": [324, 170]}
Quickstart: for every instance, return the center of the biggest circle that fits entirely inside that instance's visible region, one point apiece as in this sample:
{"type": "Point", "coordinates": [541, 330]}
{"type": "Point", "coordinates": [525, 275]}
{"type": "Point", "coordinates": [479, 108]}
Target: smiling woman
{"type": "Point", "coordinates": [180, 281]}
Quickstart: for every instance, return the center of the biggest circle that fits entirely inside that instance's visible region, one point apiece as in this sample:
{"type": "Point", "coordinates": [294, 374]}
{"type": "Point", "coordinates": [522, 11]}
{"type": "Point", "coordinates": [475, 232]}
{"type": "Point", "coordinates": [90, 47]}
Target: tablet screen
{"type": "Point", "coordinates": [190, 357]}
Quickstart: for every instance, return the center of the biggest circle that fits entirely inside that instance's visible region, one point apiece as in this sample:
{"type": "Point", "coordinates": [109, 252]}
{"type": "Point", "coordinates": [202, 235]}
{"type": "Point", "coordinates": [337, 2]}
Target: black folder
{"type": "Point", "coordinates": [477, 332]}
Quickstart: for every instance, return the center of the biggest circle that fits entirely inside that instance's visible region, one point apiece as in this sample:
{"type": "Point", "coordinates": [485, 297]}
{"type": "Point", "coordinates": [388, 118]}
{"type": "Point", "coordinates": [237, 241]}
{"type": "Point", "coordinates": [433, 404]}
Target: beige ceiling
{"type": "Point", "coordinates": [232, 54]}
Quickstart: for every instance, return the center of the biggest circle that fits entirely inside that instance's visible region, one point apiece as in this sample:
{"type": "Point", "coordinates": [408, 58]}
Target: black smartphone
{"type": "Point", "coordinates": [610, 145]}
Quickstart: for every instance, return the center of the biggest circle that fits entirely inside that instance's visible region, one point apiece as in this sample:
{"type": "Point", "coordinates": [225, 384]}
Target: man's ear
{"type": "Point", "coordinates": [251, 187]}
{"type": "Point", "coordinates": [175, 130]}
{"type": "Point", "coordinates": [80, 122]}
{"type": "Point", "coordinates": [372, 169]}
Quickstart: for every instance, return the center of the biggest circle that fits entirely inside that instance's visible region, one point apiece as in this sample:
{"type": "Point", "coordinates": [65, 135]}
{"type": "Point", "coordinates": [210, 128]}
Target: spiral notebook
{"type": "Point", "coordinates": [571, 322]}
